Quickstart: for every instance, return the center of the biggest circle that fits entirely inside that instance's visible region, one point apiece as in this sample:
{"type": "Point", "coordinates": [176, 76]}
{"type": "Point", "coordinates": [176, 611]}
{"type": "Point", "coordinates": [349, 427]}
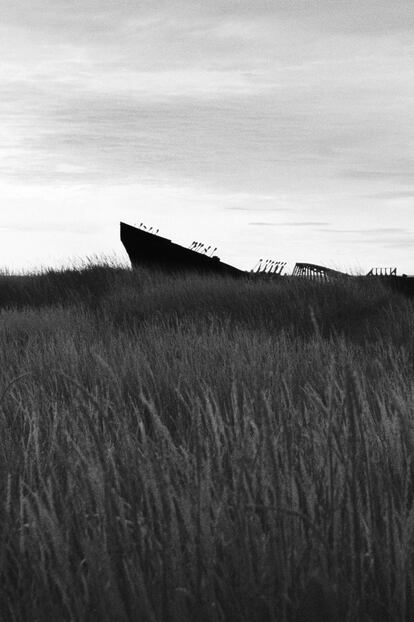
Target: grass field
{"type": "Point", "coordinates": [204, 449]}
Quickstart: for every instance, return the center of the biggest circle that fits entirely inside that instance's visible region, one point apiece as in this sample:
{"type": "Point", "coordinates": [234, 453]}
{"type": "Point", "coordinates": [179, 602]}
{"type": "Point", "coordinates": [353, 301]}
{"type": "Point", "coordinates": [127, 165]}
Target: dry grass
{"type": "Point", "coordinates": [204, 449]}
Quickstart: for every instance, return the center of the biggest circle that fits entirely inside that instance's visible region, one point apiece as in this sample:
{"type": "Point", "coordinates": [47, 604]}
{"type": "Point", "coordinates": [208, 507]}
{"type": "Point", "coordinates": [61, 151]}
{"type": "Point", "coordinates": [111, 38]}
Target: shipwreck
{"type": "Point", "coordinates": [146, 248]}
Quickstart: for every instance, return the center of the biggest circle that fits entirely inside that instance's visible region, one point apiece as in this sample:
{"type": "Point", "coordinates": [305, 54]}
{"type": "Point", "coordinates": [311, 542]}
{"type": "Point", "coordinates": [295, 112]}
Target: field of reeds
{"type": "Point", "coordinates": [204, 449]}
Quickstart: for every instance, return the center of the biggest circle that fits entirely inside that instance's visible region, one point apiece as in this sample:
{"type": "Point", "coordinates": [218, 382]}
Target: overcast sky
{"type": "Point", "coordinates": [280, 129]}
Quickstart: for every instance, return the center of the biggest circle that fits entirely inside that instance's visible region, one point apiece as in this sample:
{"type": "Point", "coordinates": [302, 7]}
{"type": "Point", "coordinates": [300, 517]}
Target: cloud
{"type": "Point", "coordinates": [257, 208]}
{"type": "Point", "coordinates": [371, 16]}
{"type": "Point", "coordinates": [399, 242]}
{"type": "Point", "coordinates": [266, 141]}
{"type": "Point", "coordinates": [187, 93]}
{"type": "Point", "coordinates": [53, 227]}
{"type": "Point", "coordinates": [391, 195]}
{"type": "Point", "coordinates": [264, 224]}
{"type": "Point", "coordinates": [401, 176]}
{"type": "Point", "coordinates": [377, 237]}
{"type": "Point", "coordinates": [125, 138]}
{"type": "Point", "coordinates": [289, 224]}
{"type": "Point", "coordinates": [369, 232]}
{"type": "Point", "coordinates": [304, 224]}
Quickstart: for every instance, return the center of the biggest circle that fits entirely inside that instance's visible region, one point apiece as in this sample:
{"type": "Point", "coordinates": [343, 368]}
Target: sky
{"type": "Point", "coordinates": [280, 130]}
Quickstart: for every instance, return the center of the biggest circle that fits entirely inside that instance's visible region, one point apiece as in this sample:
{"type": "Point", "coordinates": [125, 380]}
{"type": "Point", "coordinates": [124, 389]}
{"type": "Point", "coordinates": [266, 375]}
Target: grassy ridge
{"type": "Point", "coordinates": [204, 449]}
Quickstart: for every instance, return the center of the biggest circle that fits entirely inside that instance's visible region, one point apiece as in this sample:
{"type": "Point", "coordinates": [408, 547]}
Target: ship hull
{"type": "Point", "coordinates": [153, 251]}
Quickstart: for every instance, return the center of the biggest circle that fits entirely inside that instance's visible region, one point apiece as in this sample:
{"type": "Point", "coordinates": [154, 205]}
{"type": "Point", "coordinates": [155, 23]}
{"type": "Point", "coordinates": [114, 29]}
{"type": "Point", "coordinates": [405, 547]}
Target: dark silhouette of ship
{"type": "Point", "coordinates": [150, 250]}
{"type": "Point", "coordinates": [146, 248]}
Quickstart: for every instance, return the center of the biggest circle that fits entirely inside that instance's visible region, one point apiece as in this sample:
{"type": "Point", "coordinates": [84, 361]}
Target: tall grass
{"type": "Point", "coordinates": [204, 449]}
